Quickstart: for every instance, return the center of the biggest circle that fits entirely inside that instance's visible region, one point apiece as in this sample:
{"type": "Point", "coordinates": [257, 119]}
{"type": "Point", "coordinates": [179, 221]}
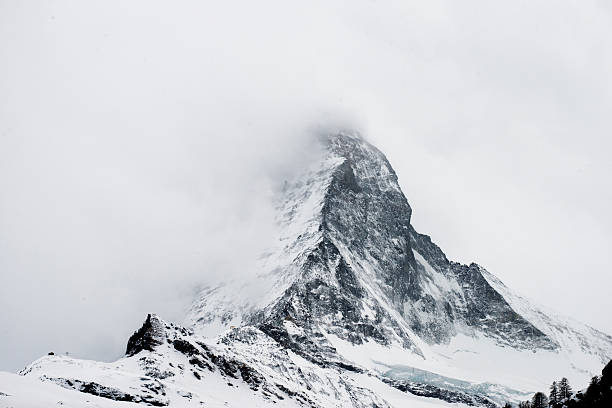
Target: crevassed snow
{"type": "Point", "coordinates": [476, 360]}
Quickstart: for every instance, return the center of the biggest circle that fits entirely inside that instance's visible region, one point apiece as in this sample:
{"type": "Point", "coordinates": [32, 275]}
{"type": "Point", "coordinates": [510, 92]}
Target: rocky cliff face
{"type": "Point", "coordinates": [351, 307]}
{"type": "Point", "coordinates": [362, 272]}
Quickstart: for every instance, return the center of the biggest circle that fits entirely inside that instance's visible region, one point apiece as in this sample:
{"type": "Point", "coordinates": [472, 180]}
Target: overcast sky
{"type": "Point", "coordinates": [140, 143]}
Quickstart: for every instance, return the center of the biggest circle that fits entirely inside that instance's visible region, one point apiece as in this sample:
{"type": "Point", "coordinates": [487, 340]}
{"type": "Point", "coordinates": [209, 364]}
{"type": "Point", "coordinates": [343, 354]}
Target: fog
{"type": "Point", "coordinates": [140, 143]}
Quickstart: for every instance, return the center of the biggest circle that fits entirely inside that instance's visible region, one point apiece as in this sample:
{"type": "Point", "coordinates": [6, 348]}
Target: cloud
{"type": "Point", "coordinates": [140, 143]}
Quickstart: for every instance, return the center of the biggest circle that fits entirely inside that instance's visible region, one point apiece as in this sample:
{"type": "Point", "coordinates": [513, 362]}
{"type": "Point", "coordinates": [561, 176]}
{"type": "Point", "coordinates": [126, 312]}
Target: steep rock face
{"type": "Point", "coordinates": [367, 214]}
{"type": "Point", "coordinates": [471, 300]}
{"type": "Point", "coordinates": [349, 264]}
{"type": "Point", "coordinates": [359, 270]}
{"type": "Point", "coordinates": [151, 334]}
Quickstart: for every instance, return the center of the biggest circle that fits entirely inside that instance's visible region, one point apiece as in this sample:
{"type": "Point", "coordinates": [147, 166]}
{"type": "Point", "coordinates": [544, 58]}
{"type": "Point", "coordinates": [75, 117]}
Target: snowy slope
{"type": "Point", "coordinates": [28, 392]}
{"type": "Point", "coordinates": [173, 367]}
{"type": "Point", "coordinates": [350, 307]}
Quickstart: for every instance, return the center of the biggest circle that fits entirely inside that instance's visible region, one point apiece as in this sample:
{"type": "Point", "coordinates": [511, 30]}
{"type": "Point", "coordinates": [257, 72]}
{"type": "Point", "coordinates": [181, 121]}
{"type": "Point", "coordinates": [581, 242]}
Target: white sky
{"type": "Point", "coordinates": [140, 141]}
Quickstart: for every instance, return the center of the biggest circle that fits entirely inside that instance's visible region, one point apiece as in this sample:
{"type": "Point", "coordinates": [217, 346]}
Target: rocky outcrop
{"type": "Point", "coordinates": [151, 334]}
{"type": "Point", "coordinates": [93, 388]}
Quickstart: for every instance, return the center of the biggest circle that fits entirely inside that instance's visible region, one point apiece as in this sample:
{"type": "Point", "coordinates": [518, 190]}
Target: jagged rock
{"type": "Point", "coordinates": [361, 271]}
{"type": "Point", "coordinates": [151, 334]}
{"type": "Point", "coordinates": [93, 388]}
{"type": "Point", "coordinates": [432, 391]}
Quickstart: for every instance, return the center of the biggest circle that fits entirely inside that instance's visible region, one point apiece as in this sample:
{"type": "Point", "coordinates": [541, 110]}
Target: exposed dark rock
{"type": "Point", "coordinates": [90, 387]}
{"type": "Point", "coordinates": [250, 376]}
{"type": "Point", "coordinates": [431, 391]}
{"type": "Point", "coordinates": [198, 362]}
{"type": "Point", "coordinates": [185, 347]}
{"type": "Point", "coordinates": [150, 335]}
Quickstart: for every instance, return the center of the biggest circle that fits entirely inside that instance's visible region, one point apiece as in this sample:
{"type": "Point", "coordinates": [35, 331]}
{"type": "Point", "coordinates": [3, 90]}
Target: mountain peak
{"type": "Point", "coordinates": [346, 235]}
{"type": "Point", "coordinates": [349, 268]}
{"type": "Point", "coordinates": [350, 307]}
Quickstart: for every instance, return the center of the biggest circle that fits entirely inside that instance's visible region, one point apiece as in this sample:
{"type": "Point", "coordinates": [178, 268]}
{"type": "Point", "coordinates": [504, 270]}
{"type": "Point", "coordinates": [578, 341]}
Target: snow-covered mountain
{"type": "Point", "coordinates": [352, 307]}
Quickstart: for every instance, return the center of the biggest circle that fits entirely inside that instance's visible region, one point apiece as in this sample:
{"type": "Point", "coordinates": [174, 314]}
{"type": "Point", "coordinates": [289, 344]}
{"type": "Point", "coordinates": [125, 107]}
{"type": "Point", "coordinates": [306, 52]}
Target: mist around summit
{"type": "Point", "coordinates": [150, 154]}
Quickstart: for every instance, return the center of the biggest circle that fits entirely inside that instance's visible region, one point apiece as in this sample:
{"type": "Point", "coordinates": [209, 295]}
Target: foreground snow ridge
{"type": "Point", "coordinates": [351, 308]}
